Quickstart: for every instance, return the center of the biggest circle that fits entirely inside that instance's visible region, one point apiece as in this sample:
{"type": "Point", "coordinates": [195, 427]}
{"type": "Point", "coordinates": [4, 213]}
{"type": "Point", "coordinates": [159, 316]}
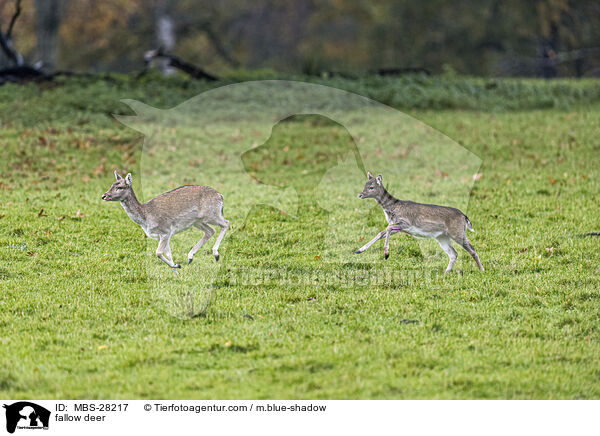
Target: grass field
{"type": "Point", "coordinates": [83, 307]}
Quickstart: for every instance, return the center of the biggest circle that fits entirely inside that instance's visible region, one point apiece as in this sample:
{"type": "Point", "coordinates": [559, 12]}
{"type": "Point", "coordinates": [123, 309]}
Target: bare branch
{"type": "Point", "coordinates": [5, 38]}
{"type": "Point", "coordinates": [216, 42]}
{"type": "Point", "coordinates": [14, 18]}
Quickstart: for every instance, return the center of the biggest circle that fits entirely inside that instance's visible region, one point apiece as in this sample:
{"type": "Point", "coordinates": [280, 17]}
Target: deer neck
{"type": "Point", "coordinates": [134, 209]}
{"type": "Point", "coordinates": [386, 200]}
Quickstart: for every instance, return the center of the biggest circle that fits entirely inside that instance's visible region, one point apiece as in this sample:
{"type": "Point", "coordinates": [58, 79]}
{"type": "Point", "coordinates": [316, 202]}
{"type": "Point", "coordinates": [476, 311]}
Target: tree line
{"type": "Point", "coordinates": [546, 38]}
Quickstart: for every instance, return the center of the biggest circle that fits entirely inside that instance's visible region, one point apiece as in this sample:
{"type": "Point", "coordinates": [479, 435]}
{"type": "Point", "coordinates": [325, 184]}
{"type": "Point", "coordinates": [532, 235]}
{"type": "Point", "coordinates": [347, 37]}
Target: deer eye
{"type": "Point", "coordinates": [371, 188]}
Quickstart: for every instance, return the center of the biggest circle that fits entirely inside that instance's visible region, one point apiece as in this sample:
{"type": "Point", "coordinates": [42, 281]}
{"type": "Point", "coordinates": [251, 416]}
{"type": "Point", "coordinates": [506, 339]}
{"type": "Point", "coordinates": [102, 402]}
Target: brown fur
{"type": "Point", "coordinates": [173, 212]}
{"type": "Point", "coordinates": [443, 223]}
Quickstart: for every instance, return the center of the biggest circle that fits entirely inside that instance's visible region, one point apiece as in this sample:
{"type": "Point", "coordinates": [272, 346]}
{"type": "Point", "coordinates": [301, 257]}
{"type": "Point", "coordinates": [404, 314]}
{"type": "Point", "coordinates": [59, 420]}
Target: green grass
{"type": "Point", "coordinates": [85, 100]}
{"type": "Point", "coordinates": [86, 309]}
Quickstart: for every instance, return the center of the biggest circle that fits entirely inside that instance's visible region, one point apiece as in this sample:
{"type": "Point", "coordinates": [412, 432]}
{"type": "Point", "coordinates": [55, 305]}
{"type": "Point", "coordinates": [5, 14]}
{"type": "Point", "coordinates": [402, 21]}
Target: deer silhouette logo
{"type": "Point", "coordinates": [25, 414]}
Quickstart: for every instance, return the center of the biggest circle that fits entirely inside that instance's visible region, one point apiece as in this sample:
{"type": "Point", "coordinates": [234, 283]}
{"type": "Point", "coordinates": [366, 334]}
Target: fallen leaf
{"type": "Point", "coordinates": [228, 344]}
{"type": "Point", "coordinates": [99, 169]}
{"type": "Point", "coordinates": [2, 216]}
{"type": "Point", "coordinates": [31, 253]}
{"type": "Point", "coordinates": [477, 176]}
{"type": "Point", "coordinates": [60, 218]}
{"type": "Point", "coordinates": [317, 257]}
{"type": "Point", "coordinates": [85, 178]}
{"type": "Point", "coordinates": [551, 180]}
{"type": "Point", "coordinates": [102, 347]}
{"type": "Point", "coordinates": [79, 214]}
{"type": "Point", "coordinates": [41, 213]}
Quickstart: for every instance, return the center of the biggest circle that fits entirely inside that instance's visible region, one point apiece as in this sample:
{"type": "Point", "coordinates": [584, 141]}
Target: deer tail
{"type": "Point", "coordinates": [469, 225]}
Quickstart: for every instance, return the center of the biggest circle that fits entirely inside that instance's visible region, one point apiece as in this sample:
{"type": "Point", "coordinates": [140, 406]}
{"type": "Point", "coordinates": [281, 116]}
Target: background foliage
{"type": "Point", "coordinates": [487, 37]}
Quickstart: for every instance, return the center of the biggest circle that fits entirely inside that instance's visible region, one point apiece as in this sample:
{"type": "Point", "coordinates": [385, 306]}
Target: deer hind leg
{"type": "Point", "coordinates": [446, 245]}
{"type": "Point", "coordinates": [464, 242]}
{"type": "Point", "coordinates": [163, 252]}
{"type": "Point", "coordinates": [208, 232]}
{"type": "Point", "coordinates": [224, 224]}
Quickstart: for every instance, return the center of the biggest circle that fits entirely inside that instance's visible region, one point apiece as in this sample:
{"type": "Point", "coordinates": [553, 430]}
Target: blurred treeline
{"type": "Point", "coordinates": [478, 37]}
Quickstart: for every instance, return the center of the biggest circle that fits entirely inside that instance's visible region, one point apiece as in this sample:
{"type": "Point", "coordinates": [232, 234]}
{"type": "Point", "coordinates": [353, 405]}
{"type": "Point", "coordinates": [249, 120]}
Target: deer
{"type": "Point", "coordinates": [173, 212]}
{"type": "Point", "coordinates": [442, 223]}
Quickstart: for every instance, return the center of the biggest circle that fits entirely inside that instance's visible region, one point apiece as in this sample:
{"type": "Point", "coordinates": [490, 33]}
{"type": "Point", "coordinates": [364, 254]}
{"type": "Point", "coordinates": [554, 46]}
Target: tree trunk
{"type": "Point", "coordinates": [164, 33]}
{"type": "Point", "coordinates": [47, 21]}
{"type": "Point", "coordinates": [549, 64]}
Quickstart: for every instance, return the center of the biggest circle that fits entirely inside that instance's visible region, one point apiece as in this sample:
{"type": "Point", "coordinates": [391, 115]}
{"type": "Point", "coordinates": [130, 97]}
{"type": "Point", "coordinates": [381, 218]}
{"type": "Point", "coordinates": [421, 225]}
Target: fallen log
{"type": "Point", "coordinates": [175, 62]}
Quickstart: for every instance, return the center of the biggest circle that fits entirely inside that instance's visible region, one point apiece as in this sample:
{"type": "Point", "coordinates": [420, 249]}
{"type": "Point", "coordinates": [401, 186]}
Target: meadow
{"type": "Point", "coordinates": [87, 311]}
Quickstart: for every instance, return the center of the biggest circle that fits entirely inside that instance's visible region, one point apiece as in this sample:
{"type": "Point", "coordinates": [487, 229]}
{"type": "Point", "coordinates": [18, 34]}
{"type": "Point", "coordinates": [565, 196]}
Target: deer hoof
{"type": "Point", "coordinates": [387, 255]}
{"type": "Point", "coordinates": [190, 260]}
{"type": "Point", "coordinates": [177, 266]}
{"type": "Point", "coordinates": [357, 252]}
{"type": "Point", "coordinates": [216, 257]}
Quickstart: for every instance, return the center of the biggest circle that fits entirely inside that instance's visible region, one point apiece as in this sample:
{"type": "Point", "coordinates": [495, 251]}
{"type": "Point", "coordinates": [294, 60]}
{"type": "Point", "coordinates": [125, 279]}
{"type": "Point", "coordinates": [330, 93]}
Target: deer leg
{"type": "Point", "coordinates": [392, 228]}
{"type": "Point", "coordinates": [446, 245]}
{"type": "Point", "coordinates": [224, 224]}
{"type": "Point", "coordinates": [469, 248]}
{"type": "Point", "coordinates": [371, 242]}
{"type": "Point", "coordinates": [386, 244]}
{"type": "Point", "coordinates": [163, 252]}
{"type": "Point", "coordinates": [208, 232]}
{"type": "Point", "coordinates": [169, 256]}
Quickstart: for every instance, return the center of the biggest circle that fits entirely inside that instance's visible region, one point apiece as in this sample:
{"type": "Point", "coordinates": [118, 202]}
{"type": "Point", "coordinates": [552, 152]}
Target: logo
{"type": "Point", "coordinates": [26, 415]}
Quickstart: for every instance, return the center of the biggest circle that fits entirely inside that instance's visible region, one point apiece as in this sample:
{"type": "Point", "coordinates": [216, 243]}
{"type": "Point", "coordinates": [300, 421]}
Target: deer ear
{"type": "Point", "coordinates": [379, 179]}
{"type": "Point", "coordinates": [128, 179]}
{"type": "Point", "coordinates": [117, 176]}
{"type": "Point", "coordinates": [369, 175]}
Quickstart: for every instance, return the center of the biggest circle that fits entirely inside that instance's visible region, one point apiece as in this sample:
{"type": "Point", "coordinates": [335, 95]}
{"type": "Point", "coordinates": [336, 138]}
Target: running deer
{"type": "Point", "coordinates": [171, 213]}
{"type": "Point", "coordinates": [420, 221]}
